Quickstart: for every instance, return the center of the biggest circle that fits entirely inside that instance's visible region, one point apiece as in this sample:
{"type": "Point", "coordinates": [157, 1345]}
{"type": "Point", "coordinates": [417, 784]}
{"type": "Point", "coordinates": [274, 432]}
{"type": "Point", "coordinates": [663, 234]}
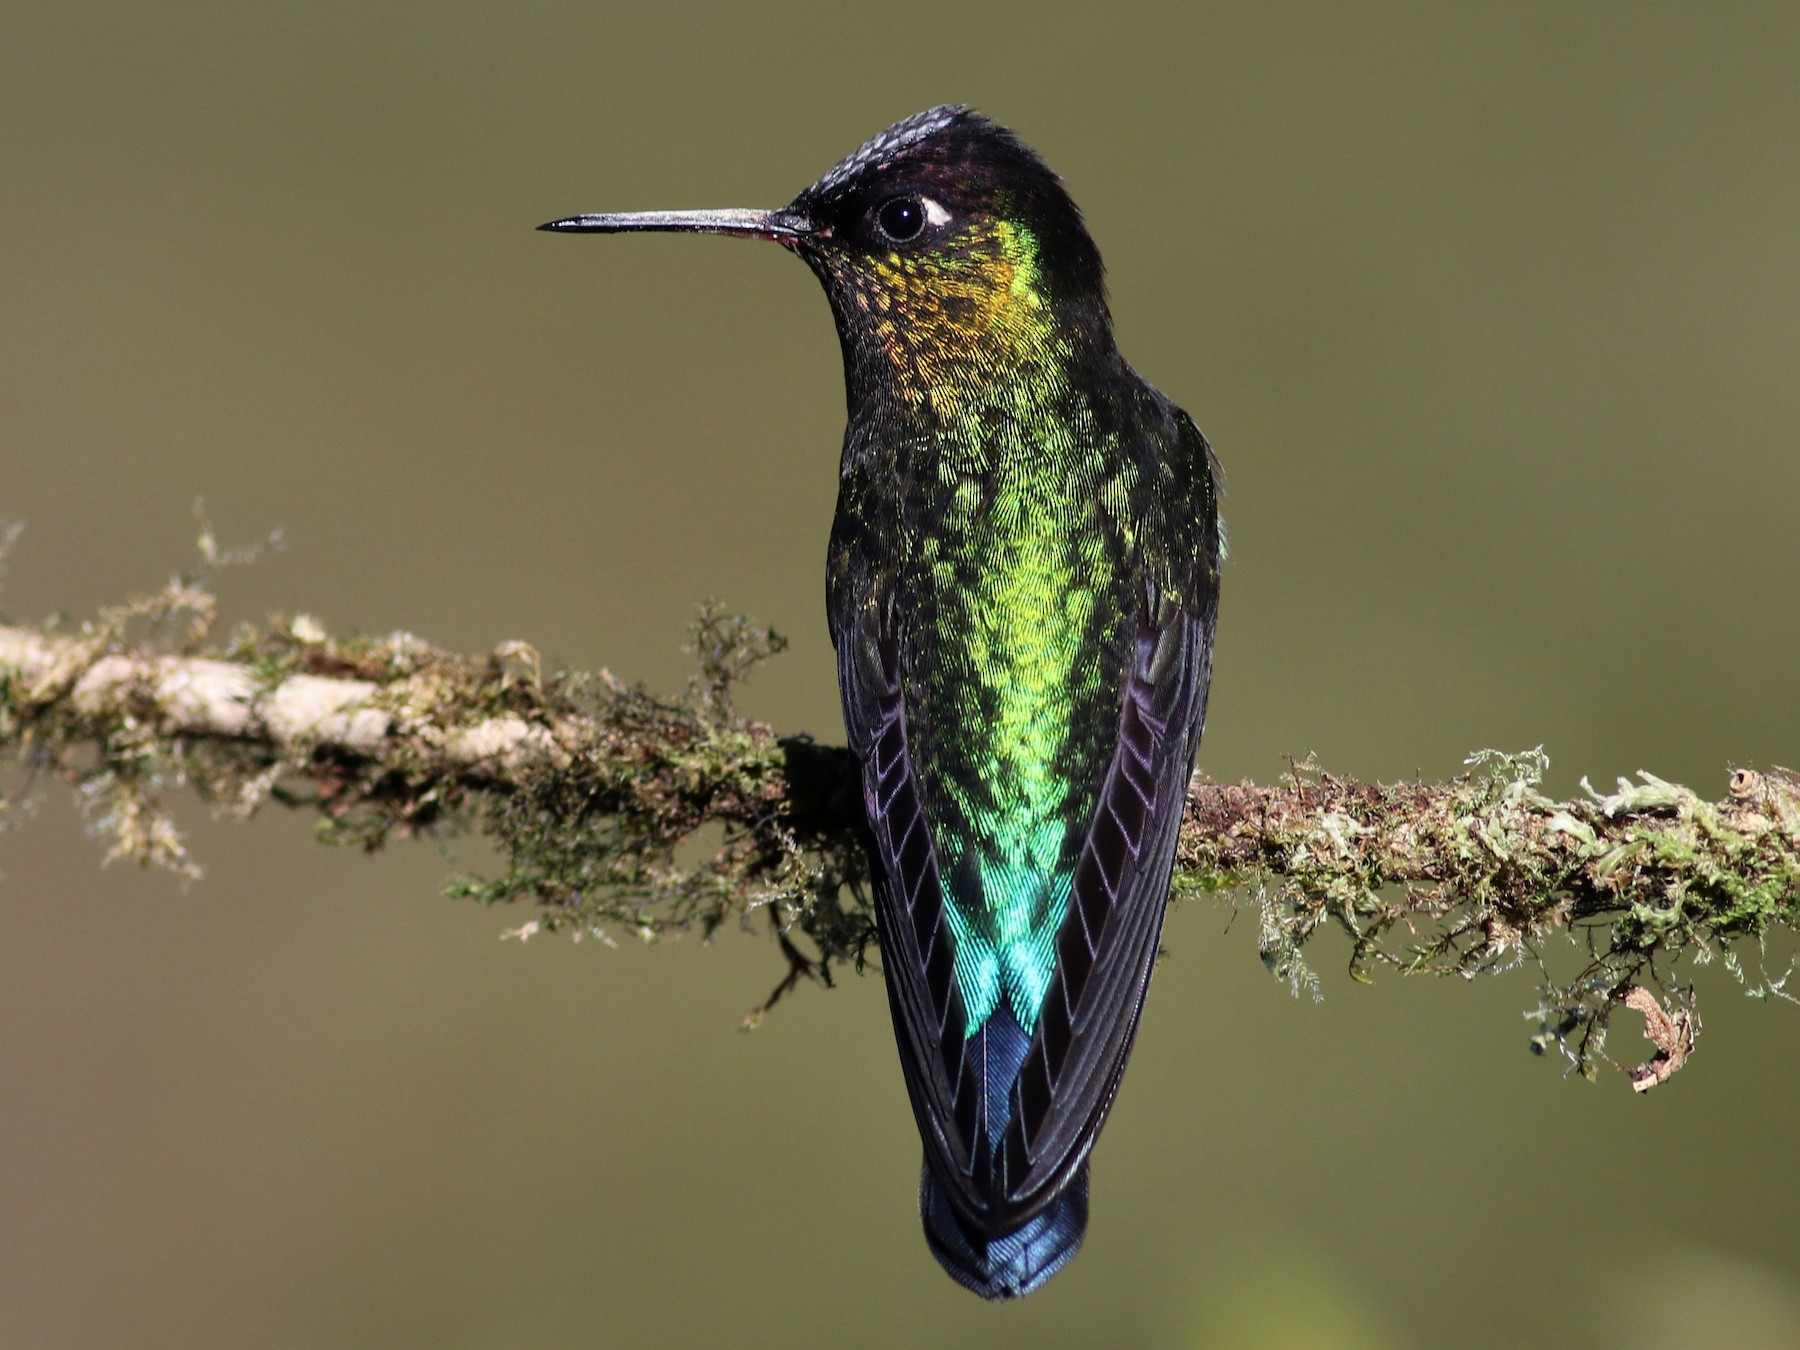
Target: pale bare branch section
{"type": "Point", "coordinates": [598, 796]}
{"type": "Point", "coordinates": [203, 697]}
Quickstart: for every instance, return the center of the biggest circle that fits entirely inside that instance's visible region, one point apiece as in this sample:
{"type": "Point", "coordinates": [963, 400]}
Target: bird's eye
{"type": "Point", "coordinates": [903, 218]}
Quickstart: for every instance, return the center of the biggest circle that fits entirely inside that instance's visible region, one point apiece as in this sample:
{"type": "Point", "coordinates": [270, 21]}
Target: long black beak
{"type": "Point", "coordinates": [784, 226]}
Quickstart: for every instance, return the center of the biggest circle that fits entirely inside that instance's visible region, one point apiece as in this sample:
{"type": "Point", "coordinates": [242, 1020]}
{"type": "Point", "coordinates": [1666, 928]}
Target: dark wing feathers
{"type": "Point", "coordinates": [1108, 940]}
{"type": "Point", "coordinates": [917, 956]}
{"type": "Point", "coordinates": [1106, 946]}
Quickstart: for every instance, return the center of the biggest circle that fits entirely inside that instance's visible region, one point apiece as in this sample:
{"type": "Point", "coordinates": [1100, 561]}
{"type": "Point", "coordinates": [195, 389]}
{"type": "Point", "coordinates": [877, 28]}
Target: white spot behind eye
{"type": "Point", "coordinates": [934, 213]}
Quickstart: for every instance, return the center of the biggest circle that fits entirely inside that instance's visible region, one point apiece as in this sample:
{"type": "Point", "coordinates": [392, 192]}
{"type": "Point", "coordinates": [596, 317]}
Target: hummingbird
{"type": "Point", "coordinates": [1022, 590]}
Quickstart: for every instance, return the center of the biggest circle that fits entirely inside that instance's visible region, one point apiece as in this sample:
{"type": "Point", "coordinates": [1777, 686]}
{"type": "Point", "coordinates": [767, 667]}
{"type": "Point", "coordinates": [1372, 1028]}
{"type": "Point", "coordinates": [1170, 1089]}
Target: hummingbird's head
{"type": "Point", "coordinates": [942, 202]}
{"type": "Point", "coordinates": [949, 250]}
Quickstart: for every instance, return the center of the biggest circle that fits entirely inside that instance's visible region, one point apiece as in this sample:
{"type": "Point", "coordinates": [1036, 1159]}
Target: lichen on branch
{"type": "Point", "coordinates": [1473, 875]}
{"type": "Point", "coordinates": [617, 811]}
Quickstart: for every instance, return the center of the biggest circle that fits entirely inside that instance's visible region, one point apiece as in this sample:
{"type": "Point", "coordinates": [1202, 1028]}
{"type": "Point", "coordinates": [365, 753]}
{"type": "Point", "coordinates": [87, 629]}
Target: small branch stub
{"type": "Point", "coordinates": [1671, 1033]}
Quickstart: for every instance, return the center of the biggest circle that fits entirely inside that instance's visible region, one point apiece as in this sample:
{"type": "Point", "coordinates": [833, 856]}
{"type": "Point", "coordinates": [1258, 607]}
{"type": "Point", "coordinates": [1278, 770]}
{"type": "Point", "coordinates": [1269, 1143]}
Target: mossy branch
{"type": "Point", "coordinates": [619, 811]}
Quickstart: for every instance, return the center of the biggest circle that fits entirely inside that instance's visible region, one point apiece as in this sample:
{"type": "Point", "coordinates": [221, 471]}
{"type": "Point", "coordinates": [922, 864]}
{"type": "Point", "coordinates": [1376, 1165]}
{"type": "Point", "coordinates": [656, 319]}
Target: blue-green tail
{"type": "Point", "coordinates": [1014, 1263]}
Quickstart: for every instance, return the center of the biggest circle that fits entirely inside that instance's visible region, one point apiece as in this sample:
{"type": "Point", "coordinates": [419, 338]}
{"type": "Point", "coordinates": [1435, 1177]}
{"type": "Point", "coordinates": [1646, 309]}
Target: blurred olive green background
{"type": "Point", "coordinates": [1492, 312]}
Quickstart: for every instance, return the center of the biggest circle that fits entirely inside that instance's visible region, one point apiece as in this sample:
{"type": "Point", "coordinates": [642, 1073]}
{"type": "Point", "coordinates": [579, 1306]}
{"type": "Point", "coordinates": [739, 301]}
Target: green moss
{"type": "Point", "coordinates": [1474, 876]}
{"type": "Point", "coordinates": [633, 814]}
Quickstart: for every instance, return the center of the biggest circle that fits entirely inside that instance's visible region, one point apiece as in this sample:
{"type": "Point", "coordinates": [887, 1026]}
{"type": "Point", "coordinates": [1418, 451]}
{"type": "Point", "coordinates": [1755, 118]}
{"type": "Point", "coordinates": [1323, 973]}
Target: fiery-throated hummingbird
{"type": "Point", "coordinates": [1022, 587]}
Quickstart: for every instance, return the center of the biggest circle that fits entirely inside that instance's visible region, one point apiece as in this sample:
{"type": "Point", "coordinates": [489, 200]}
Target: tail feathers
{"type": "Point", "coordinates": [996, 1052]}
{"type": "Point", "coordinates": [1007, 1265]}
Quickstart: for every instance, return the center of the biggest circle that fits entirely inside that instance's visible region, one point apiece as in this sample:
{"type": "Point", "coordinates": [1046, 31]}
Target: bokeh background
{"type": "Point", "coordinates": [1492, 312]}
